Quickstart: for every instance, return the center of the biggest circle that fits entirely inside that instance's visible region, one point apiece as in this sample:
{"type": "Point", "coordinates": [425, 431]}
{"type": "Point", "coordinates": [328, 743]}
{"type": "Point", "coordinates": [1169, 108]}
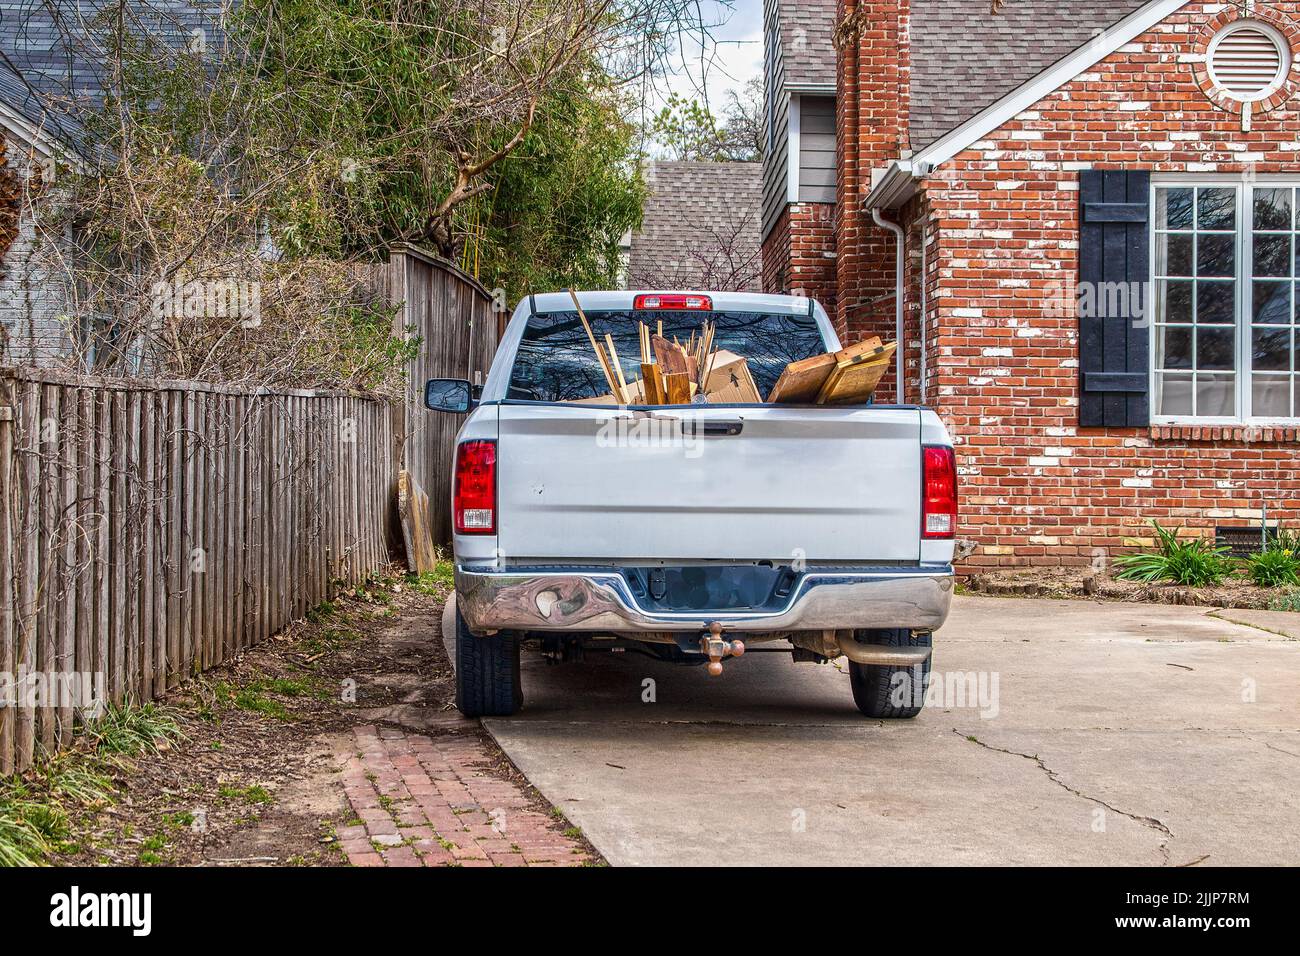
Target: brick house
{"type": "Point", "coordinates": [1099, 207]}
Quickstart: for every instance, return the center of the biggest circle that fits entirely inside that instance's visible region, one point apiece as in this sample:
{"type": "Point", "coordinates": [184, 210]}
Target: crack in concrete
{"type": "Point", "coordinates": [1151, 823]}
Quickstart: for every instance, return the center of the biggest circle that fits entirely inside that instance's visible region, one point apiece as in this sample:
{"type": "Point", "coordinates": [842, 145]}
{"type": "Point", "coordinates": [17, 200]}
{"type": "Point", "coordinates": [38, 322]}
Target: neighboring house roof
{"type": "Point", "coordinates": [807, 30]}
{"type": "Point", "coordinates": [51, 65]}
{"type": "Point", "coordinates": [701, 228]}
{"type": "Point", "coordinates": [964, 59]}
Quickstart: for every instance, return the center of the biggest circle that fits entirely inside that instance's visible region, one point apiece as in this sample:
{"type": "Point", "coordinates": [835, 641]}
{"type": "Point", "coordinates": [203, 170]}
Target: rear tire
{"type": "Point", "coordinates": [487, 673]}
{"type": "Point", "coordinates": [879, 691]}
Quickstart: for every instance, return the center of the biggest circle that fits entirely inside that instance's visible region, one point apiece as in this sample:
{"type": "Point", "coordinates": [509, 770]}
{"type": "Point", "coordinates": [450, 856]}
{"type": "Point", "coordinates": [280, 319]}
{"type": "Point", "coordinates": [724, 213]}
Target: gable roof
{"type": "Point", "coordinates": [964, 59]}
{"type": "Point", "coordinates": [701, 228]}
{"type": "Point", "coordinates": [806, 31]}
{"type": "Point", "coordinates": [50, 63]}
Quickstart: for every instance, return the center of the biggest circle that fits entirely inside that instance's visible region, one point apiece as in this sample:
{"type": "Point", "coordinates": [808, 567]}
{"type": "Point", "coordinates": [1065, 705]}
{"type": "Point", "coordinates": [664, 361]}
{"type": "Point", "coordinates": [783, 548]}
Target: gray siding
{"type": "Point", "coordinates": [31, 301]}
{"type": "Point", "coordinates": [776, 156]}
{"type": "Point", "coordinates": [817, 149]}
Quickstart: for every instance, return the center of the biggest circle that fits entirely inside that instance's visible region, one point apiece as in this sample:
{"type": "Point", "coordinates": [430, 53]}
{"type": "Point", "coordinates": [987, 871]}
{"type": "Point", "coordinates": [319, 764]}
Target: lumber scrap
{"type": "Point", "coordinates": [413, 508]}
{"type": "Point", "coordinates": [853, 381]}
{"type": "Point", "coordinates": [801, 383]}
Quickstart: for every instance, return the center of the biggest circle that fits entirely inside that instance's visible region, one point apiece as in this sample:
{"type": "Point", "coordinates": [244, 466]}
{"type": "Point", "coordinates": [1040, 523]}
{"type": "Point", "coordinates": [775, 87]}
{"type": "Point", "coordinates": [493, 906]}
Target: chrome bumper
{"type": "Point", "coordinates": [561, 599]}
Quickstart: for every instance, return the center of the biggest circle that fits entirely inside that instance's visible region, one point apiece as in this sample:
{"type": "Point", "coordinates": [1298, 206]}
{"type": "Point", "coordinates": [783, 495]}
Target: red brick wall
{"type": "Point", "coordinates": [871, 130]}
{"type": "Point", "coordinates": [1037, 489]}
{"type": "Point", "coordinates": [799, 255]}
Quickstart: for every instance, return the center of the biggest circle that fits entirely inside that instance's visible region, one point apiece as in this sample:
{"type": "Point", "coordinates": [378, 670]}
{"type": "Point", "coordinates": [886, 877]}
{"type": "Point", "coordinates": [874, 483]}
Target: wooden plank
{"type": "Point", "coordinates": [131, 558]}
{"type": "Point", "coordinates": [51, 580]}
{"type": "Point", "coordinates": [118, 538]}
{"type": "Point", "coordinates": [190, 538]}
{"type": "Point", "coordinates": [853, 381]}
{"type": "Point", "coordinates": [678, 385]}
{"type": "Point", "coordinates": [27, 604]}
{"type": "Point", "coordinates": [103, 539]}
{"type": "Point", "coordinates": [69, 569]}
{"type": "Point", "coordinates": [83, 653]}
{"type": "Point", "coordinates": [8, 566]}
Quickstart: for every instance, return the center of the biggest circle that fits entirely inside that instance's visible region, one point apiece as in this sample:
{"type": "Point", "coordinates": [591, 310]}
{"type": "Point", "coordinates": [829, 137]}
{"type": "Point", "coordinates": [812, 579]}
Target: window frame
{"type": "Point", "coordinates": [1243, 303]}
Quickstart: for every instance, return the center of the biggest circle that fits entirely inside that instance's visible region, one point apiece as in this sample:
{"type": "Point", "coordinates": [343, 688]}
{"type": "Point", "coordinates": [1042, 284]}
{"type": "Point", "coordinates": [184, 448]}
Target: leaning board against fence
{"type": "Point", "coordinates": [150, 530]}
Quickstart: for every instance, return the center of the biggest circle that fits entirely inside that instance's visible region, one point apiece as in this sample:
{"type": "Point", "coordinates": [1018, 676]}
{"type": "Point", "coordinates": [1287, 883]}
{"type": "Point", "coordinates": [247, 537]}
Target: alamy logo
{"type": "Point", "coordinates": [75, 909]}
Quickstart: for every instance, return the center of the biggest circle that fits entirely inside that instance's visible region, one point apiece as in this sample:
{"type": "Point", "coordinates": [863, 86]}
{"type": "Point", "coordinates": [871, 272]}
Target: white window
{"type": "Point", "coordinates": [1225, 297]}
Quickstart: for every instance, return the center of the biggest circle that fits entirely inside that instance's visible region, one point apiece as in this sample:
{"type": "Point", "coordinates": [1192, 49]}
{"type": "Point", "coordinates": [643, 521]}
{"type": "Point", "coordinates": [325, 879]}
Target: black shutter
{"type": "Point", "coordinates": [1114, 247]}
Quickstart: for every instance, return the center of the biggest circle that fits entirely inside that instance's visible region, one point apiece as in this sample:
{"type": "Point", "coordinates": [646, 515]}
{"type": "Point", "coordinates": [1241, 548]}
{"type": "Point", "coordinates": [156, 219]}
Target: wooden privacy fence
{"type": "Point", "coordinates": [458, 324]}
{"type": "Point", "coordinates": [150, 530]}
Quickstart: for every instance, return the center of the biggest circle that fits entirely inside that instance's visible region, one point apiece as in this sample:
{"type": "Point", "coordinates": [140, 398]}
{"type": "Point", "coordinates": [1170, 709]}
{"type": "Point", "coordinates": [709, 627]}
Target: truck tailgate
{"type": "Point", "coordinates": [823, 484]}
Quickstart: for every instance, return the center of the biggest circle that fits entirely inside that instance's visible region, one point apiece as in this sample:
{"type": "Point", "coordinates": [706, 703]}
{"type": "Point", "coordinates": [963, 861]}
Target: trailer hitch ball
{"type": "Point", "coordinates": [716, 649]}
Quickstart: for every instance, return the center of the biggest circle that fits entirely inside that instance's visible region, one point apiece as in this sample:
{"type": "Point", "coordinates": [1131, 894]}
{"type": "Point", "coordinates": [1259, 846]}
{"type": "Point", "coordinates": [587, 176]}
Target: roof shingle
{"type": "Point", "coordinates": [965, 59]}
{"type": "Point", "coordinates": [701, 229]}
{"type": "Point", "coordinates": [807, 41]}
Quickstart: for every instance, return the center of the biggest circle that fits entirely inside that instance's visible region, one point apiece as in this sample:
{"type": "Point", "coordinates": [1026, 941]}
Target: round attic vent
{"type": "Point", "coordinates": [1249, 60]}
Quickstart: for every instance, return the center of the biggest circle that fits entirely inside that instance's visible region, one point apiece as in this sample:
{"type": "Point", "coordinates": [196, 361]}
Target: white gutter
{"type": "Point", "coordinates": [899, 282]}
{"type": "Point", "coordinates": [898, 184]}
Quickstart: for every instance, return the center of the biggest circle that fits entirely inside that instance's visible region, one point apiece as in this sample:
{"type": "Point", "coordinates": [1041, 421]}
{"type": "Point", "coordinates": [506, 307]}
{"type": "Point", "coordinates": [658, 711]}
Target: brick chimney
{"type": "Point", "coordinates": [873, 91]}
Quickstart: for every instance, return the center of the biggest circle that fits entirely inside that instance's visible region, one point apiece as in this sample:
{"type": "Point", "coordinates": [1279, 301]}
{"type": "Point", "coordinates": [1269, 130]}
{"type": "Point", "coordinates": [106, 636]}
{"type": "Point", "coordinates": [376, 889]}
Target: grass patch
{"type": "Point", "coordinates": [1274, 568]}
{"type": "Point", "coordinates": [253, 795]}
{"type": "Point", "coordinates": [36, 807]}
{"type": "Point", "coordinates": [1192, 562]}
{"type": "Point", "coordinates": [132, 730]}
{"type": "Point", "coordinates": [1286, 602]}
{"type": "Point", "coordinates": [439, 582]}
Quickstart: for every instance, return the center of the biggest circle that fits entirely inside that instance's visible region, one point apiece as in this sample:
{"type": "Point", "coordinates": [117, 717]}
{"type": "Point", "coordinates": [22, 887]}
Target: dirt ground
{"type": "Point", "coordinates": [1053, 582]}
{"type": "Point", "coordinates": [257, 778]}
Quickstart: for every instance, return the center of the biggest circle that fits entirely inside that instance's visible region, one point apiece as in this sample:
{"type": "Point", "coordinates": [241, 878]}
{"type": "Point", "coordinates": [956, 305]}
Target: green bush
{"type": "Point", "coordinates": [1275, 568]}
{"type": "Point", "coordinates": [1194, 562]}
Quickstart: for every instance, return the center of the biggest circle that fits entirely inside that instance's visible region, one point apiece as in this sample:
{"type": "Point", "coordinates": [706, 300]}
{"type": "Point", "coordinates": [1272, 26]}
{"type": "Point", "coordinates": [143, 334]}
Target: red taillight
{"type": "Point", "coordinates": [672, 303]}
{"type": "Point", "coordinates": [939, 496]}
{"type": "Point", "coordinates": [474, 498]}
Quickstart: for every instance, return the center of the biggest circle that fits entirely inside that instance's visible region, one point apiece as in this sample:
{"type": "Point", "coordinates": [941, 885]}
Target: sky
{"type": "Point", "coordinates": [732, 57]}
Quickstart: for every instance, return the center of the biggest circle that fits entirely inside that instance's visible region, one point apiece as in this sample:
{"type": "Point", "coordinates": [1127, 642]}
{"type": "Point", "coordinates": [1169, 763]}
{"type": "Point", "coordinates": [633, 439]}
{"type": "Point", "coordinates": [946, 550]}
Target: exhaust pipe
{"type": "Point", "coordinates": [879, 655]}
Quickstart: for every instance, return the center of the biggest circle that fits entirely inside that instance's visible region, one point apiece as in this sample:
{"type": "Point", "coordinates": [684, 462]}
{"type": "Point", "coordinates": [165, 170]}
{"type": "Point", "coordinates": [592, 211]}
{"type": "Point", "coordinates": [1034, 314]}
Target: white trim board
{"type": "Point", "coordinates": [793, 149]}
{"type": "Point", "coordinates": [1047, 82]}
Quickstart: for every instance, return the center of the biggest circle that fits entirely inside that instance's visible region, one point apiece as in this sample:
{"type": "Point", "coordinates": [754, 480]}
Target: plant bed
{"type": "Point", "coordinates": [1086, 583]}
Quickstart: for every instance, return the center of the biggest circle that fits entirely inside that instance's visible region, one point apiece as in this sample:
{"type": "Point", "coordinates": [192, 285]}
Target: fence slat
{"type": "Point", "coordinates": [153, 529]}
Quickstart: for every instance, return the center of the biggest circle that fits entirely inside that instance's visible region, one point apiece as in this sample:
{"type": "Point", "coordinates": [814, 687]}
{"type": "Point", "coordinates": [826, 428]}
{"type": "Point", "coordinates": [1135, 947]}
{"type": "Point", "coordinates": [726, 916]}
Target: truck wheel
{"type": "Point", "coordinates": [487, 673]}
{"type": "Point", "coordinates": [890, 693]}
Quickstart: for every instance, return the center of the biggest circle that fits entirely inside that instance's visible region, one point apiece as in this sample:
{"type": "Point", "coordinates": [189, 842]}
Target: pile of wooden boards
{"type": "Point", "coordinates": [847, 377]}
{"type": "Point", "coordinates": [676, 373]}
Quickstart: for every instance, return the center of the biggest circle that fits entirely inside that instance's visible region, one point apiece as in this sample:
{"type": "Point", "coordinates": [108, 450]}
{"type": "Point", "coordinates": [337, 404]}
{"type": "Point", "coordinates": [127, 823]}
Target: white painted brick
{"type": "Point", "coordinates": [996, 352]}
{"type": "Point", "coordinates": [1137, 483]}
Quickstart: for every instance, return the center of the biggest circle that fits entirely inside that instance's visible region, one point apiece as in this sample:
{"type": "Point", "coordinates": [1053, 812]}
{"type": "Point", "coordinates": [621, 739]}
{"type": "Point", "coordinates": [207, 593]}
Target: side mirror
{"type": "Point", "coordinates": [448, 395]}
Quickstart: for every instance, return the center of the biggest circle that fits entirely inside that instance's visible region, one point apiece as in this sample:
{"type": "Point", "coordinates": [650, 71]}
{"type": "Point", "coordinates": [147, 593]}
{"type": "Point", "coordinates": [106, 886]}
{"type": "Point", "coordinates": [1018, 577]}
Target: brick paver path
{"type": "Point", "coordinates": [430, 801]}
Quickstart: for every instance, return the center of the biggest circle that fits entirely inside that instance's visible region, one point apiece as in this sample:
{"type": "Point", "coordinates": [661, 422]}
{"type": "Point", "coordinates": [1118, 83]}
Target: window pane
{"type": "Point", "coordinates": [1174, 208]}
{"type": "Point", "coordinates": [1216, 209]}
{"type": "Point", "coordinates": [1273, 303]}
{"type": "Point", "coordinates": [1273, 209]}
{"type": "Point", "coordinates": [1273, 256]}
{"type": "Point", "coordinates": [1271, 350]}
{"type": "Point", "coordinates": [1217, 256]}
{"type": "Point", "coordinates": [1216, 349]}
{"type": "Point", "coordinates": [1271, 396]}
{"type": "Point", "coordinates": [1174, 348]}
{"type": "Point", "coordinates": [1174, 394]}
{"type": "Point", "coordinates": [1174, 254]}
{"type": "Point", "coordinates": [1174, 302]}
{"type": "Point", "coordinates": [1216, 396]}
{"type": "Point", "coordinates": [1216, 302]}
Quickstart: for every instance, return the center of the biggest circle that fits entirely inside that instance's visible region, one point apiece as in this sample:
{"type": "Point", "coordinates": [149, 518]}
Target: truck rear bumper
{"type": "Point", "coordinates": [579, 599]}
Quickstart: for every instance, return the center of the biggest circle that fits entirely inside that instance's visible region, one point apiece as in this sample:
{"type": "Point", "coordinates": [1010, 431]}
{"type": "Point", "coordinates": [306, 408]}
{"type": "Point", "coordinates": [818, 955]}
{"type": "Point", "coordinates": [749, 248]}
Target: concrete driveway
{"type": "Point", "coordinates": [1115, 734]}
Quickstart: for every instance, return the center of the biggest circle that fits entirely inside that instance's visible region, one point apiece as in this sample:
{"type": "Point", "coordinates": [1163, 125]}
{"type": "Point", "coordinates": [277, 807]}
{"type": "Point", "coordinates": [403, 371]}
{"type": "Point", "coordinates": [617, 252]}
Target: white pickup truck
{"type": "Point", "coordinates": [687, 531]}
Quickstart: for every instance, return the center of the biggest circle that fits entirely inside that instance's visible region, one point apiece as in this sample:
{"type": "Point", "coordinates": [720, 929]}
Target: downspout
{"type": "Point", "coordinates": [899, 282]}
{"type": "Point", "coordinates": [925, 297]}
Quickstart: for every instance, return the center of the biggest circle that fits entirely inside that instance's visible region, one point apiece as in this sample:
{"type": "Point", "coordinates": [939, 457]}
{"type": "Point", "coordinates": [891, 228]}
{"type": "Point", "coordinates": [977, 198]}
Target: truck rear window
{"type": "Point", "coordinates": [556, 363]}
